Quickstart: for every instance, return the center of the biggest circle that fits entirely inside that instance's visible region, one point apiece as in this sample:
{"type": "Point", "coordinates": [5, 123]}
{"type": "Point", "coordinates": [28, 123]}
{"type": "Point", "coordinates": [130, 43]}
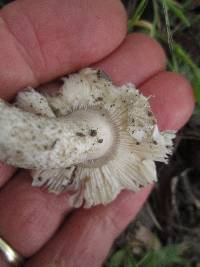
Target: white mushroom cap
{"type": "Point", "coordinates": [123, 158]}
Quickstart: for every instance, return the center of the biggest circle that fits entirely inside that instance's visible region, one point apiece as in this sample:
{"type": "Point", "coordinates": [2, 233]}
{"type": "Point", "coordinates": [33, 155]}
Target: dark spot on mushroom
{"type": "Point", "coordinates": [94, 81]}
{"type": "Point", "coordinates": [99, 98]}
{"type": "Point", "coordinates": [58, 93]}
{"type": "Point", "coordinates": [149, 113]}
{"type": "Point", "coordinates": [133, 120]}
{"type": "Point", "coordinates": [154, 142]}
{"type": "Point", "coordinates": [93, 132]}
{"type": "Point", "coordinates": [54, 143]}
{"type": "Point", "coordinates": [40, 179]}
{"type": "Point", "coordinates": [103, 75]}
{"type": "Point", "coordinates": [67, 168]}
{"type": "Point", "coordinates": [80, 134]}
{"type": "Point", "coordinates": [56, 111]}
{"type": "Point", "coordinates": [74, 173]}
{"type": "Point", "coordinates": [137, 143]}
{"type": "Point", "coordinates": [98, 74]}
{"type": "Point", "coordinates": [100, 141]}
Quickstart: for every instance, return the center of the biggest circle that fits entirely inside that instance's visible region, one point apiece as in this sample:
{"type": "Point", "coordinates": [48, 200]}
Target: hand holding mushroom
{"type": "Point", "coordinates": [91, 136]}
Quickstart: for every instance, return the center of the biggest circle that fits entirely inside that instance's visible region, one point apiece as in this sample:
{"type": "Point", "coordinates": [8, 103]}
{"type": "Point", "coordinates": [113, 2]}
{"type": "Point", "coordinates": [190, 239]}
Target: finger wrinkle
{"type": "Point", "coordinates": [27, 43]}
{"type": "Point", "coordinates": [14, 69]}
{"type": "Point", "coordinates": [52, 39]}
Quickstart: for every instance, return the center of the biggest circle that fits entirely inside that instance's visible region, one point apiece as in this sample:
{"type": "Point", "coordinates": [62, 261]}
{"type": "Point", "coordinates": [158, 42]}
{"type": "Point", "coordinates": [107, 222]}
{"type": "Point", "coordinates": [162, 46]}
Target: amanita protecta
{"type": "Point", "coordinates": [89, 137]}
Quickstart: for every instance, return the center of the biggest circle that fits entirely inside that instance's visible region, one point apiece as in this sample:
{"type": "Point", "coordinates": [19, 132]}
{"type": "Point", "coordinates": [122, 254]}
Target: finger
{"type": "Point", "coordinates": [174, 97]}
{"type": "Point", "coordinates": [87, 236]}
{"type": "Point", "coordinates": [91, 237]}
{"type": "Point", "coordinates": [145, 54]}
{"type": "Point", "coordinates": [41, 40]}
{"type": "Point", "coordinates": [22, 240]}
{"type": "Point", "coordinates": [28, 216]}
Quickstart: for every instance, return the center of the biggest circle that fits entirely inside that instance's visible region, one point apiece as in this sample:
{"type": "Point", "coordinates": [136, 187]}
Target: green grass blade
{"type": "Point", "coordinates": [184, 56]}
{"type": "Point", "coordinates": [181, 60]}
{"type": "Point", "coordinates": [137, 14]}
{"type": "Point", "coordinates": [130, 262]}
{"type": "Point", "coordinates": [117, 258]}
{"type": "Point", "coordinates": [167, 21]}
{"type": "Point", "coordinates": [177, 11]}
{"type": "Point", "coordinates": [164, 257]}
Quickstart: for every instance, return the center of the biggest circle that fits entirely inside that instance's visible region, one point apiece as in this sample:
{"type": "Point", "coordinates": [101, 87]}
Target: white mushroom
{"type": "Point", "coordinates": [90, 137]}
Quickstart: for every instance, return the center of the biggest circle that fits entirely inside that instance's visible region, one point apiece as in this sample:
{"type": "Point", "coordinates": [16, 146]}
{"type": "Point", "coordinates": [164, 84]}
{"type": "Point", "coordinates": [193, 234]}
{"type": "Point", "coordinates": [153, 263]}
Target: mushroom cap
{"type": "Point", "coordinates": [129, 163]}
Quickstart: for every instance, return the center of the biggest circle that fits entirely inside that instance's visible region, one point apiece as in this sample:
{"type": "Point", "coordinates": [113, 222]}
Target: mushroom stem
{"type": "Point", "coordinates": [33, 141]}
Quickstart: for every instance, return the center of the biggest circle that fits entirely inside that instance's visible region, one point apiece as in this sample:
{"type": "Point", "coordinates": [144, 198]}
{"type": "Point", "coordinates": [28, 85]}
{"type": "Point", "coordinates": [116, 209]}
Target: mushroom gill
{"type": "Point", "coordinates": [89, 137]}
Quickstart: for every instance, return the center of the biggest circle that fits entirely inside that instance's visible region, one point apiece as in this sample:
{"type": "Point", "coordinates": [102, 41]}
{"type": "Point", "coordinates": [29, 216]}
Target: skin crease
{"type": "Point", "coordinates": [25, 211]}
{"type": "Point", "coordinates": [41, 48]}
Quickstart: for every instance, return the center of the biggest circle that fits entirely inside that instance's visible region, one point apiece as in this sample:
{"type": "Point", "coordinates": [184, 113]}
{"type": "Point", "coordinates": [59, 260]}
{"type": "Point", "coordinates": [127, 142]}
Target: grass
{"type": "Point", "coordinates": [162, 28]}
{"type": "Point", "coordinates": [165, 257]}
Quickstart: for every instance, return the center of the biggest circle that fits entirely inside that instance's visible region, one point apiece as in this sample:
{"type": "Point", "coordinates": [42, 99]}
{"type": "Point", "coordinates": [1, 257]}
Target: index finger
{"type": "Point", "coordinates": [41, 40]}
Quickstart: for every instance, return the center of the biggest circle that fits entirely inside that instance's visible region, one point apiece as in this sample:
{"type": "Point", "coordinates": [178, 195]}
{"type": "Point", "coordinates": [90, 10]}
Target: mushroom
{"type": "Point", "coordinates": [90, 137]}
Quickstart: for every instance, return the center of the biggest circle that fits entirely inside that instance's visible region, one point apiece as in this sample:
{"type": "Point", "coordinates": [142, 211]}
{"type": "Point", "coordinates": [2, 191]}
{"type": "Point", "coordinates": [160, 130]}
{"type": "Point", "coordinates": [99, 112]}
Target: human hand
{"type": "Point", "coordinates": [41, 40]}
